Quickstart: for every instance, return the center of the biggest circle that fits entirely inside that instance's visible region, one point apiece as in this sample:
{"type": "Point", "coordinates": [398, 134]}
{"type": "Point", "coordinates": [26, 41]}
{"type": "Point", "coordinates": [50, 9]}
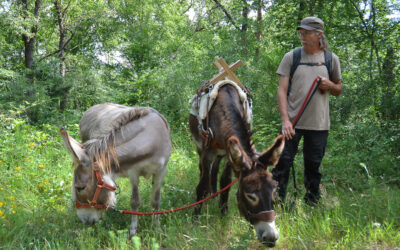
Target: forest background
{"type": "Point", "coordinates": [59, 57]}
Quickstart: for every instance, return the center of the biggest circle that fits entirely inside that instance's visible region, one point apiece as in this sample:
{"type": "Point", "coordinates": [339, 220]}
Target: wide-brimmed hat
{"type": "Point", "coordinates": [311, 23]}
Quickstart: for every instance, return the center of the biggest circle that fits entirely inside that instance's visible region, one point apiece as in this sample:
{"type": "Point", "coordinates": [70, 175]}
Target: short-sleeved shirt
{"type": "Point", "coordinates": [316, 115]}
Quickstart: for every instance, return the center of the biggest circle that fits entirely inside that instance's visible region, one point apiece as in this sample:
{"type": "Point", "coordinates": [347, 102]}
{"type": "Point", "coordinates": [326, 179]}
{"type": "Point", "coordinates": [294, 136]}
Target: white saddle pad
{"type": "Point", "coordinates": [199, 103]}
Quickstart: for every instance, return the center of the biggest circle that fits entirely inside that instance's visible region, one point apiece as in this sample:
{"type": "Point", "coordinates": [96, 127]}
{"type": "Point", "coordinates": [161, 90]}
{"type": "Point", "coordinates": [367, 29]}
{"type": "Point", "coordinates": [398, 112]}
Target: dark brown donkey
{"type": "Point", "coordinates": [232, 135]}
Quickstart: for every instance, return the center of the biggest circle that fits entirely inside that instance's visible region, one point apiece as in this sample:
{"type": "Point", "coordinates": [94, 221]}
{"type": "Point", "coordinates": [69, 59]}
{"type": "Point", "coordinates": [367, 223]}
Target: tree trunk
{"type": "Point", "coordinates": [259, 28]}
{"type": "Point", "coordinates": [302, 6]}
{"type": "Point", "coordinates": [245, 14]}
{"type": "Point", "coordinates": [373, 45]}
{"type": "Point", "coordinates": [61, 53]}
{"type": "Point", "coordinates": [29, 50]}
{"type": "Point", "coordinates": [61, 43]}
{"type": "Point", "coordinates": [29, 40]}
{"type": "Point", "coordinates": [388, 104]}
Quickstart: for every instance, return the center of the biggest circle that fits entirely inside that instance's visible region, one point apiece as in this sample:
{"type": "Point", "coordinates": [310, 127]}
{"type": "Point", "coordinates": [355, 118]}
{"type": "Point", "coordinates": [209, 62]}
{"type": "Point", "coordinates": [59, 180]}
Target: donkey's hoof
{"type": "Point", "coordinates": [196, 211]}
{"type": "Point", "coordinates": [132, 232]}
{"type": "Point", "coordinates": [159, 229]}
{"type": "Point", "coordinates": [224, 211]}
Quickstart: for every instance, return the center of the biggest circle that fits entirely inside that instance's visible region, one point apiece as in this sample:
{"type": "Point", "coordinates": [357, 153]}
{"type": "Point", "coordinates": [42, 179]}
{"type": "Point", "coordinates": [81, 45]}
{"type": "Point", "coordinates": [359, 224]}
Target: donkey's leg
{"type": "Point", "coordinates": [214, 174]}
{"type": "Point", "coordinates": [135, 202]}
{"type": "Point", "coordinates": [225, 180]}
{"type": "Point", "coordinates": [156, 193]}
{"type": "Point", "coordinates": [203, 188]}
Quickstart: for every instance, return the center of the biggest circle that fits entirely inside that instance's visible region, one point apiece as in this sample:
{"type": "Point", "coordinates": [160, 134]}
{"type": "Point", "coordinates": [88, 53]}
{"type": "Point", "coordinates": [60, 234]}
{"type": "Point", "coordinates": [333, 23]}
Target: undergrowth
{"type": "Point", "coordinates": [359, 208]}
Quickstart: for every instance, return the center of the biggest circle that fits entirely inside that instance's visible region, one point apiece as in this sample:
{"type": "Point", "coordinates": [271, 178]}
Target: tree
{"type": "Point", "coordinates": [259, 28]}
{"type": "Point", "coordinates": [31, 22]}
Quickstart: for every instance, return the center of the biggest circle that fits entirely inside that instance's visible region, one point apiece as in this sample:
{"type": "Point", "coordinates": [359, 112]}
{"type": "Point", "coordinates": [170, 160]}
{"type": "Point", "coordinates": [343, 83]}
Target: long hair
{"type": "Point", "coordinates": [323, 42]}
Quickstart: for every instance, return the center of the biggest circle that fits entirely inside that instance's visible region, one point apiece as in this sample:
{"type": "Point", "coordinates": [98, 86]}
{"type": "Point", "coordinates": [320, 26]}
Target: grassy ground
{"type": "Point", "coordinates": [35, 197]}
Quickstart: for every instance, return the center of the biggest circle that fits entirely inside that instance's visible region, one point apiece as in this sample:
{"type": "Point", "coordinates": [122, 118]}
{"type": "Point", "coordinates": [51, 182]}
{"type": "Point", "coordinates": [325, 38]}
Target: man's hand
{"type": "Point", "coordinates": [334, 87]}
{"type": "Point", "coordinates": [287, 130]}
{"type": "Point", "coordinates": [325, 84]}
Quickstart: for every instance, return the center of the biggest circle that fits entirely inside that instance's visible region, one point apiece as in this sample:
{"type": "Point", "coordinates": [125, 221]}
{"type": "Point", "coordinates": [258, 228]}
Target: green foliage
{"type": "Point", "coordinates": [157, 53]}
{"type": "Point", "coordinates": [370, 151]}
{"type": "Point", "coordinates": [33, 182]}
{"type": "Point", "coordinates": [42, 99]}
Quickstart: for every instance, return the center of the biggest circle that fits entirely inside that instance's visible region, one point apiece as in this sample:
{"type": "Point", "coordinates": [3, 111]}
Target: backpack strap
{"type": "Point", "coordinates": [328, 62]}
{"type": "Point", "coordinates": [296, 63]}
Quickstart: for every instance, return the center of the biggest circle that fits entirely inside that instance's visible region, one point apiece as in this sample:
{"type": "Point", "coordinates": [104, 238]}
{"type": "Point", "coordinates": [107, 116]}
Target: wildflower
{"type": "Point", "coordinates": [18, 168]}
{"type": "Point", "coordinates": [13, 212]}
{"type": "Point", "coordinates": [41, 185]}
{"type": "Point", "coordinates": [42, 166]}
{"type": "Point", "coordinates": [1, 204]}
{"type": "Point", "coordinates": [32, 144]}
{"type": "Point", "coordinates": [12, 198]}
{"type": "Point", "coordinates": [1, 213]}
{"type": "Point", "coordinates": [44, 219]}
{"type": "Point", "coordinates": [376, 224]}
{"type": "Point", "coordinates": [9, 186]}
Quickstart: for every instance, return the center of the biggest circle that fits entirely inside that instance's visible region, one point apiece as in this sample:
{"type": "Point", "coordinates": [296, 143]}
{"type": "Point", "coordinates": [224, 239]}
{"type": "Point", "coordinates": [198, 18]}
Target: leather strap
{"type": "Point", "coordinates": [266, 216]}
{"type": "Point", "coordinates": [100, 184]}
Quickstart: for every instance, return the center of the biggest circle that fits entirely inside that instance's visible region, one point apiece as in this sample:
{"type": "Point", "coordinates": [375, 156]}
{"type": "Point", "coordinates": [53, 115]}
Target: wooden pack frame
{"type": "Point", "coordinates": [225, 71]}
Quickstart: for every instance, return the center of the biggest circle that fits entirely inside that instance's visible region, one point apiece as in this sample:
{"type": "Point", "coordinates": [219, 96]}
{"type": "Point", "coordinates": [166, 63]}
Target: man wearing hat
{"type": "Point", "coordinates": [313, 126]}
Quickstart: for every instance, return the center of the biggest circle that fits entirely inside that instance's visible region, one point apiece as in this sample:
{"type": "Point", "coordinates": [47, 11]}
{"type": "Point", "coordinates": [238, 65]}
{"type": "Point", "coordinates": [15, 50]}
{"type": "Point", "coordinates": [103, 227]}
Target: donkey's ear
{"type": "Point", "coordinates": [75, 149]}
{"type": "Point", "coordinates": [271, 156]}
{"type": "Point", "coordinates": [237, 156]}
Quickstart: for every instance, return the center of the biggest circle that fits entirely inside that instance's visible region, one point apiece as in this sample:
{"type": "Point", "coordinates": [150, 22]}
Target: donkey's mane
{"type": "Point", "coordinates": [101, 145]}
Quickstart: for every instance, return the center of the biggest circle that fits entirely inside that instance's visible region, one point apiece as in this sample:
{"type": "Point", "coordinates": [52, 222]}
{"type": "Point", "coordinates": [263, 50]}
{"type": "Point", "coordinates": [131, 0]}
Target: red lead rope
{"type": "Point", "coordinates": [177, 209]}
{"type": "Point", "coordinates": [310, 94]}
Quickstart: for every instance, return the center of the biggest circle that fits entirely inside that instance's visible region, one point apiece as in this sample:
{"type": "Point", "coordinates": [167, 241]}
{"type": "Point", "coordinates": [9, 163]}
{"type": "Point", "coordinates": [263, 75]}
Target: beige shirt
{"type": "Point", "coordinates": [316, 115]}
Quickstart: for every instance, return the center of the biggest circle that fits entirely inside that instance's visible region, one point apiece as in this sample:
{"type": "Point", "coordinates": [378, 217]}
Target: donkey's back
{"type": "Point", "coordinates": [101, 119]}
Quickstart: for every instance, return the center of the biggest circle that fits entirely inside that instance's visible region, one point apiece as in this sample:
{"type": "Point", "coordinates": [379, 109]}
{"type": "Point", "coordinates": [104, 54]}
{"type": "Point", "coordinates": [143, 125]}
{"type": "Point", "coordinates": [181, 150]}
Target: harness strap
{"type": "Point", "coordinates": [89, 205]}
{"type": "Point", "coordinates": [215, 144]}
{"type": "Point", "coordinates": [208, 139]}
{"type": "Point", "coordinates": [100, 184]}
{"type": "Point", "coordinates": [208, 136]}
{"type": "Point", "coordinates": [266, 216]}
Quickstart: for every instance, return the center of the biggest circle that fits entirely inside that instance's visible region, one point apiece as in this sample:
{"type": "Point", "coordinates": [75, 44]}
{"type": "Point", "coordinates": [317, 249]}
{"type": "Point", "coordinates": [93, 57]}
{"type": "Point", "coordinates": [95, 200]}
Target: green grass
{"type": "Point", "coordinates": [35, 188]}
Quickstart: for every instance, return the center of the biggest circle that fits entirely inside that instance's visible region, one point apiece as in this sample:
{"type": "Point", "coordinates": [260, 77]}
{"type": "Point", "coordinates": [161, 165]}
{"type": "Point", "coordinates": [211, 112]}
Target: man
{"type": "Point", "coordinates": [314, 124]}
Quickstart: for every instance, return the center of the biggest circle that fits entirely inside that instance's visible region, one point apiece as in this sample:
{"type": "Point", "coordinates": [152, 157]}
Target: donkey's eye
{"type": "Point", "coordinates": [252, 198]}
